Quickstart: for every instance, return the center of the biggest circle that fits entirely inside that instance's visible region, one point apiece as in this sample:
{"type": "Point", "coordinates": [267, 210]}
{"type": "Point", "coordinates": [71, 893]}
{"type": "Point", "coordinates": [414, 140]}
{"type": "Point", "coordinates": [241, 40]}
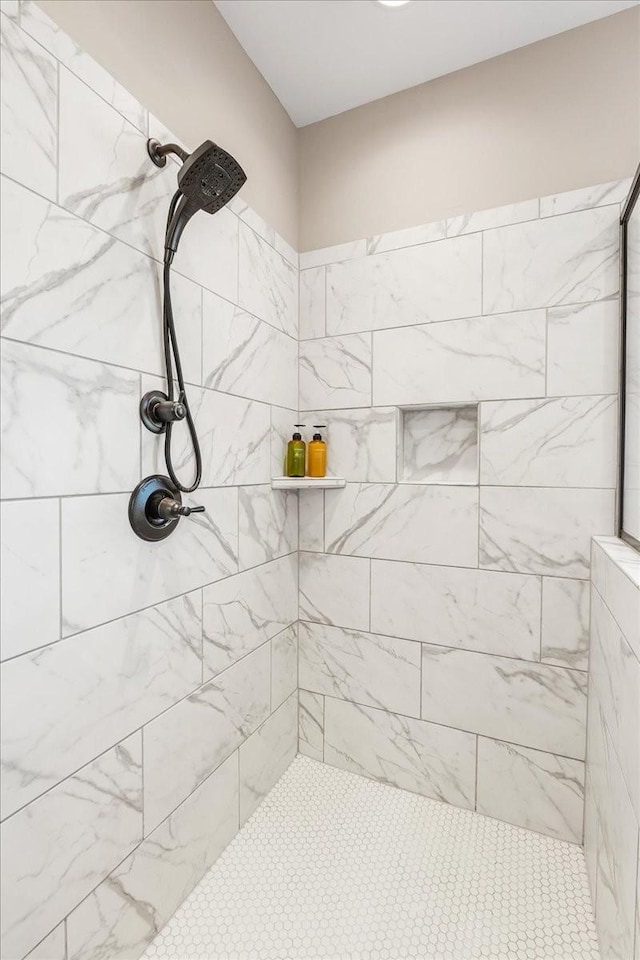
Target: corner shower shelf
{"type": "Point", "coordinates": [307, 483]}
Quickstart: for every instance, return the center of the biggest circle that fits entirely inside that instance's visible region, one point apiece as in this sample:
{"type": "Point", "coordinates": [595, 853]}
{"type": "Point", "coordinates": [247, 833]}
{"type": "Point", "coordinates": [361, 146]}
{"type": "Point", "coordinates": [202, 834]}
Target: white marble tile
{"type": "Point", "coordinates": [108, 572]}
{"type": "Point", "coordinates": [53, 947]}
{"type": "Point", "coordinates": [29, 84]}
{"type": "Point", "coordinates": [495, 217]}
{"type": "Point", "coordinates": [584, 198]}
{"type": "Point", "coordinates": [565, 622]}
{"type": "Point", "coordinates": [186, 743]}
{"type": "Point", "coordinates": [591, 838]}
{"type": "Point", "coordinates": [569, 259]}
{"type": "Point", "coordinates": [241, 612]}
{"type": "Point", "coordinates": [479, 610]}
{"type": "Point", "coordinates": [252, 219]}
{"type": "Point", "coordinates": [282, 427]}
{"type": "Point", "coordinates": [361, 443]}
{"type": "Point", "coordinates": [582, 349]}
{"type": "Point", "coordinates": [268, 283]}
{"type": "Point", "coordinates": [409, 237]}
{"type": "Point", "coordinates": [126, 911]}
{"type": "Point", "coordinates": [439, 445]}
{"type": "Point", "coordinates": [532, 789]}
{"type": "Point", "coordinates": [535, 705]}
{"type": "Point", "coordinates": [542, 530]}
{"type": "Point", "coordinates": [311, 724]}
{"type": "Point", "coordinates": [335, 590]}
{"type": "Point", "coordinates": [284, 665]}
{"type": "Point", "coordinates": [424, 524]}
{"type": "Point", "coordinates": [244, 356]}
{"type": "Point", "coordinates": [266, 754]}
{"type": "Point", "coordinates": [286, 250]}
{"type": "Point", "coordinates": [353, 665]}
{"type": "Point", "coordinates": [11, 9]}
{"type": "Point", "coordinates": [30, 582]}
{"type": "Point", "coordinates": [311, 521]}
{"type": "Point", "coordinates": [615, 572]}
{"type": "Point", "coordinates": [435, 281]}
{"type": "Point", "coordinates": [568, 442]}
{"type": "Point", "coordinates": [312, 303]}
{"type": "Point", "coordinates": [91, 444]}
{"type": "Point", "coordinates": [485, 358]}
{"type": "Point", "coordinates": [335, 372]}
{"type": "Point", "coordinates": [267, 524]}
{"type": "Point", "coordinates": [352, 250]}
{"type": "Point", "coordinates": [116, 677]}
{"type": "Point", "coordinates": [208, 251]}
{"type": "Point", "coordinates": [412, 754]}
{"type": "Point", "coordinates": [56, 850]}
{"type": "Point", "coordinates": [42, 28]}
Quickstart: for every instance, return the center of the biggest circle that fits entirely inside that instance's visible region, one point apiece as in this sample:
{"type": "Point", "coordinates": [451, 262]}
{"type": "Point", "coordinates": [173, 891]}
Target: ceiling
{"type": "Point", "coordinates": [322, 57]}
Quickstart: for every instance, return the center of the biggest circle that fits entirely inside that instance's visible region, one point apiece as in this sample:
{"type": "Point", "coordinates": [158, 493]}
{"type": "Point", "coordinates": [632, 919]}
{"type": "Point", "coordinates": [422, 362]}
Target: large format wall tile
{"type": "Point", "coordinates": [569, 259]}
{"type": "Point", "coordinates": [412, 754]}
{"type": "Point", "coordinates": [335, 590]}
{"type": "Point", "coordinates": [582, 348]}
{"type": "Point", "coordinates": [565, 622]}
{"type": "Point", "coordinates": [241, 612]}
{"type": "Point", "coordinates": [436, 281]}
{"type": "Point", "coordinates": [615, 573]}
{"type": "Point", "coordinates": [378, 671]}
{"type": "Point", "coordinates": [572, 200]}
{"type": "Point", "coordinates": [119, 676]}
{"type": "Point", "coordinates": [404, 522]}
{"type": "Point", "coordinates": [542, 530]}
{"type": "Point", "coordinates": [474, 609]}
{"type": "Point", "coordinates": [484, 358]}
{"type": "Point", "coordinates": [56, 850]}
{"type": "Point", "coordinates": [108, 572]}
{"type": "Point", "coordinates": [335, 372]}
{"type": "Point", "coordinates": [312, 303]}
{"type": "Point", "coordinates": [267, 524]}
{"type": "Point", "coordinates": [53, 947]}
{"type": "Point", "coordinates": [95, 444]}
{"type": "Point", "coordinates": [132, 905]}
{"type": "Point", "coordinates": [361, 443]}
{"type": "Point", "coordinates": [495, 217]}
{"type": "Point", "coordinates": [266, 754]}
{"type": "Point", "coordinates": [268, 283]}
{"type": "Point", "coordinates": [311, 724]}
{"type": "Point", "coordinates": [408, 237]}
{"type": "Point", "coordinates": [284, 665]}
{"type": "Point", "coordinates": [186, 743]}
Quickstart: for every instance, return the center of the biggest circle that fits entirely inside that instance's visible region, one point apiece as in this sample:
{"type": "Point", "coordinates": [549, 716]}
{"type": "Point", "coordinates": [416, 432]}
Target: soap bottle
{"type": "Point", "coordinates": [318, 454]}
{"type": "Point", "coordinates": [296, 454]}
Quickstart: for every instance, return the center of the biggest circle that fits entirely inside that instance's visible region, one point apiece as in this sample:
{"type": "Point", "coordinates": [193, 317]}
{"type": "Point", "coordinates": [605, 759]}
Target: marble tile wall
{"type": "Point", "coordinates": [612, 814]}
{"type": "Point", "coordinates": [148, 690]}
{"type": "Point", "coordinates": [467, 371]}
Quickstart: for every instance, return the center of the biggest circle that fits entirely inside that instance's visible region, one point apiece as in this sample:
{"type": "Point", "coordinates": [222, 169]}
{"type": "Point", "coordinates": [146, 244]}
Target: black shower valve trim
{"type": "Point", "coordinates": [157, 410]}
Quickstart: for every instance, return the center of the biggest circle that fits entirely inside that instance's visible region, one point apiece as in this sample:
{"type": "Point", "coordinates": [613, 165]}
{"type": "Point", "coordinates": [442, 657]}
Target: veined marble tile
{"type": "Point", "coordinates": [569, 259]}
{"type": "Point", "coordinates": [241, 612]}
{"type": "Point", "coordinates": [484, 358]}
{"type": "Point", "coordinates": [361, 443]}
{"type": "Point", "coordinates": [132, 905]}
{"type": "Point", "coordinates": [312, 303]}
{"type": "Point", "coordinates": [409, 237]}
{"type": "Point", "coordinates": [267, 524]}
{"type": "Point", "coordinates": [335, 372]}
{"type": "Point", "coordinates": [542, 530]}
{"type": "Point", "coordinates": [284, 665]}
{"type": "Point", "coordinates": [56, 850]}
{"type": "Point", "coordinates": [439, 445]}
{"type": "Point", "coordinates": [583, 349]}
{"type": "Point", "coordinates": [434, 281]}
{"type": "Point", "coordinates": [311, 520]}
{"type": "Point", "coordinates": [30, 582]}
{"type": "Point", "coordinates": [126, 573]}
{"type": "Point", "coordinates": [352, 250]}
{"type": "Point", "coordinates": [490, 219]}
{"type": "Point", "coordinates": [117, 677]}
{"type": "Point", "coordinates": [353, 665]}
{"type": "Point", "coordinates": [615, 572]}
{"type": "Point", "coordinates": [186, 743]}
{"type": "Point", "coordinates": [252, 219]}
{"type": "Point", "coordinates": [565, 622]}
{"type": "Point", "coordinates": [282, 427]}
{"type": "Point", "coordinates": [268, 283]}
{"type": "Point", "coordinates": [536, 705]}
{"type": "Point", "coordinates": [29, 83]}
{"type": "Point", "coordinates": [208, 251]}
{"type": "Point", "coordinates": [234, 435]}
{"type": "Point", "coordinates": [591, 839]}
{"type": "Point", "coordinates": [569, 442]}
{"type": "Point", "coordinates": [615, 919]}
{"type": "Point", "coordinates": [53, 947]}
{"type": "Point", "coordinates": [334, 590]}
{"type": "Point", "coordinates": [535, 790]}
{"type": "Point", "coordinates": [286, 250]}
{"type": "Point", "coordinates": [311, 724]}
{"type": "Point", "coordinates": [42, 28]}
{"type": "Point", "coordinates": [424, 524]}
{"type": "Point", "coordinates": [244, 356]}
{"type": "Point", "coordinates": [479, 610]}
{"type": "Point", "coordinates": [412, 754]}
{"type": "Point", "coordinates": [584, 198]}
{"type": "Point", "coordinates": [11, 9]}
{"type": "Point", "coordinates": [92, 442]}
{"type": "Point", "coordinates": [266, 754]}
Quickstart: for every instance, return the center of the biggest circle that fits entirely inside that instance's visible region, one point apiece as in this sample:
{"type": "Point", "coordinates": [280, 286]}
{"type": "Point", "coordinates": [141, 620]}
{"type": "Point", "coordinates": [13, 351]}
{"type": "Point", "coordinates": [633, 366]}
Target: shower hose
{"type": "Point", "coordinates": [171, 348]}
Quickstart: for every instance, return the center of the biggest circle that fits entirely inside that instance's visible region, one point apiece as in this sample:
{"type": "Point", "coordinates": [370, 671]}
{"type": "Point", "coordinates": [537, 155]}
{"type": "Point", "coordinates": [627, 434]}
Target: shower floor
{"type": "Point", "coordinates": [335, 866]}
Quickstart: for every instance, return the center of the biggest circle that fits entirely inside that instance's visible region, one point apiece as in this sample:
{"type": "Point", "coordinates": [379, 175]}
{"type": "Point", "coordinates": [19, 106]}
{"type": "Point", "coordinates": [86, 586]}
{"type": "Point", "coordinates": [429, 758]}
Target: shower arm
{"type": "Point", "coordinates": [158, 152]}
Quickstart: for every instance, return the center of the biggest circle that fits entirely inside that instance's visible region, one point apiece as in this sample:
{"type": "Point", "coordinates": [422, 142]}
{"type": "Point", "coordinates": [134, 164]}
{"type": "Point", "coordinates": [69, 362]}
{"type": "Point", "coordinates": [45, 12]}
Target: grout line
{"type": "Point", "coordinates": [58, 93]}
{"type": "Point", "coordinates": [60, 593]}
{"type": "Point", "coordinates": [475, 801]}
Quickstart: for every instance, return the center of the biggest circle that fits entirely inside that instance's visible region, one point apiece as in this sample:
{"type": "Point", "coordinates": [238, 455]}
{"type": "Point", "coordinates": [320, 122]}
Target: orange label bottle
{"type": "Point", "coordinates": [317, 452]}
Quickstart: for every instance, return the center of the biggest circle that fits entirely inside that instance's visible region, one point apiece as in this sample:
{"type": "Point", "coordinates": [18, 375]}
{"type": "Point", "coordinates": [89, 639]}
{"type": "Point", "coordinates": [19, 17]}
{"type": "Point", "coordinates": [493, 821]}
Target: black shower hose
{"type": "Point", "coordinates": [170, 341]}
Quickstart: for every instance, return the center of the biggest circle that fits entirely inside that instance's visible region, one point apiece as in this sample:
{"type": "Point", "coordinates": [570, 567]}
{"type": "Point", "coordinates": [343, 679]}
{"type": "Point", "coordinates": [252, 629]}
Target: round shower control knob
{"type": "Point", "coordinates": [155, 507]}
{"type": "Point", "coordinates": [156, 411]}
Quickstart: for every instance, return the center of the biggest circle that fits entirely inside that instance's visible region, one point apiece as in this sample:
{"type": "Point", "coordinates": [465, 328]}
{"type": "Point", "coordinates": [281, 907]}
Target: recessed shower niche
{"type": "Point", "coordinates": [438, 444]}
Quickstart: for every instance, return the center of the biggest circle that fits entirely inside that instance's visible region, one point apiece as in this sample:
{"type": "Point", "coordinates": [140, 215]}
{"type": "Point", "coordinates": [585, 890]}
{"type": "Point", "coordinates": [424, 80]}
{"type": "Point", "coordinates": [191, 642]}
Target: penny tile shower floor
{"type": "Point", "coordinates": [338, 867]}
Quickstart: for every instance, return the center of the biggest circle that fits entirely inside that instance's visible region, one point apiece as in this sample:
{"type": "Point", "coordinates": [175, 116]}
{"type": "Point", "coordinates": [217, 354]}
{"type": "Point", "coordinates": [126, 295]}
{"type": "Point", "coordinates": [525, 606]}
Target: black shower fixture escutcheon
{"type": "Point", "coordinates": [155, 507]}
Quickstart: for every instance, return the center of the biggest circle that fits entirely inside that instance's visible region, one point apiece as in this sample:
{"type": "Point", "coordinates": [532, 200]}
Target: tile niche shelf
{"type": "Point", "coordinates": [438, 444]}
{"type": "Point", "coordinates": [307, 483]}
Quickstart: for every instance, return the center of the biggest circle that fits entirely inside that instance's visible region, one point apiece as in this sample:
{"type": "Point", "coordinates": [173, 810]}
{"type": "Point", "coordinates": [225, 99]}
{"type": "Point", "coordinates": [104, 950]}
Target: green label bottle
{"type": "Point", "coordinates": [296, 454]}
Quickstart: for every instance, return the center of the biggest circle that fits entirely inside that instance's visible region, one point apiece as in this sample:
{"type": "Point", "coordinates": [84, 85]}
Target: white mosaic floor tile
{"type": "Point", "coordinates": [338, 867]}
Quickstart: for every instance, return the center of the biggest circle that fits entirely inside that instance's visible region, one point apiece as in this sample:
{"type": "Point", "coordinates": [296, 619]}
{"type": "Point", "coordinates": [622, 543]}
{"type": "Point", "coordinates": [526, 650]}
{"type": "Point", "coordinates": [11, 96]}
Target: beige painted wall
{"type": "Point", "coordinates": [556, 115]}
{"type": "Point", "coordinates": [179, 58]}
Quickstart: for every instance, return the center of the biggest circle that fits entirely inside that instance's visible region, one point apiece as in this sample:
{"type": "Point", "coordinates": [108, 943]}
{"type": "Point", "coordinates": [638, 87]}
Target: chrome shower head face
{"type": "Point", "coordinates": [210, 177]}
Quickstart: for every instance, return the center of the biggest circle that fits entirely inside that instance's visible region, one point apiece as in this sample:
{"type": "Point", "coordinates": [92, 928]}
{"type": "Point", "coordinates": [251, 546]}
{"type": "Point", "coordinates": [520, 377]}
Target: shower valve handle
{"type": "Point", "coordinates": [165, 411]}
{"type": "Point", "coordinates": [170, 509]}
